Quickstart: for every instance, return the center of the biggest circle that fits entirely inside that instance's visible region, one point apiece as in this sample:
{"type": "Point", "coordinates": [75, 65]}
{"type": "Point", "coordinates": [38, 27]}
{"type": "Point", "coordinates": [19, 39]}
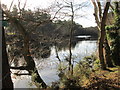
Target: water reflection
{"type": "Point", "coordinates": [82, 49]}
{"type": "Point", "coordinates": [61, 44]}
{"type": "Point", "coordinates": [47, 67]}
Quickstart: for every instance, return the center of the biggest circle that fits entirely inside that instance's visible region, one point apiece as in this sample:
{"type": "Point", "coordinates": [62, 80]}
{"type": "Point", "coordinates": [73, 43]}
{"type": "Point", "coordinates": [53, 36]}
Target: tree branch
{"type": "Point", "coordinates": [100, 10]}
{"type": "Point", "coordinates": [96, 13]}
{"type": "Point", "coordinates": [105, 12]}
{"type": "Point", "coordinates": [20, 68]}
{"type": "Point", "coordinates": [25, 4]}
{"type": "Point", "coordinates": [21, 74]}
{"type": "Point", "coordinates": [11, 5]}
{"type": "Point", "coordinates": [112, 7]}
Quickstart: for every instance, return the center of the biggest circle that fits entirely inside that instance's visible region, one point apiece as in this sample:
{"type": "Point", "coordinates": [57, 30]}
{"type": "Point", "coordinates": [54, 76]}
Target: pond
{"type": "Point", "coordinates": [48, 67]}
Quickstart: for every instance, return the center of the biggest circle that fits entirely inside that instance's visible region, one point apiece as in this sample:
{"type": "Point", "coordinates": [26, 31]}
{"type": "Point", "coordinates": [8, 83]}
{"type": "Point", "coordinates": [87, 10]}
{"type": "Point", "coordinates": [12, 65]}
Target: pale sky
{"type": "Point", "coordinates": [31, 4]}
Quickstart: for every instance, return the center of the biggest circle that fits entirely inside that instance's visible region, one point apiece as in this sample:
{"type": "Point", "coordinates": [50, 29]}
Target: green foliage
{"type": "Point", "coordinates": [81, 72]}
{"type": "Point", "coordinates": [97, 64]}
{"type": "Point", "coordinates": [112, 27]}
{"type": "Point", "coordinates": [34, 75]}
{"type": "Point", "coordinates": [68, 81]}
{"type": "Point", "coordinates": [113, 35]}
{"type": "Point", "coordinates": [33, 78]}
{"type": "Point", "coordinates": [86, 65]}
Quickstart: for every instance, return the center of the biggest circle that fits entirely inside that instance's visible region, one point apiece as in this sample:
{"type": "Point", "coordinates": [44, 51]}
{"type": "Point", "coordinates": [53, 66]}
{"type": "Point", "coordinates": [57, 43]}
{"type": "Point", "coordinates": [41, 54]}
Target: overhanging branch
{"type": "Point", "coordinates": [20, 68]}
{"type": "Point", "coordinates": [96, 13]}
{"type": "Point", "coordinates": [19, 74]}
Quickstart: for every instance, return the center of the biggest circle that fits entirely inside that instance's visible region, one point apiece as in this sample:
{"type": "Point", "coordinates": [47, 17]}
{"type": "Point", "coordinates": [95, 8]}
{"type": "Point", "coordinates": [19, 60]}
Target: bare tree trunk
{"type": "Point", "coordinates": [70, 42]}
{"type": "Point", "coordinates": [6, 75]}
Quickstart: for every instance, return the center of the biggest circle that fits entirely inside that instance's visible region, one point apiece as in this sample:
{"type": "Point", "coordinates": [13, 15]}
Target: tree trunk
{"type": "Point", "coordinates": [70, 42]}
{"type": "Point", "coordinates": [6, 75]}
{"type": "Point", "coordinates": [101, 55]}
{"type": "Point", "coordinates": [107, 54]}
{"type": "Point", "coordinates": [101, 20]}
{"type": "Point", "coordinates": [30, 62]}
{"type": "Point", "coordinates": [102, 36]}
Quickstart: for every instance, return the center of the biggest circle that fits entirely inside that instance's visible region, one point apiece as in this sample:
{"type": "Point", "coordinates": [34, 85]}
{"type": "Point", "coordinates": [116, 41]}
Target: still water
{"type": "Point", "coordinates": [48, 67]}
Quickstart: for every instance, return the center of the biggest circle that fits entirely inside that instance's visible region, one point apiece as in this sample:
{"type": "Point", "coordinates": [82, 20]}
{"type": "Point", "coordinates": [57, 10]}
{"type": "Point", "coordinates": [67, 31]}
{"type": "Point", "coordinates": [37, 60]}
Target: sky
{"type": "Point", "coordinates": [86, 21]}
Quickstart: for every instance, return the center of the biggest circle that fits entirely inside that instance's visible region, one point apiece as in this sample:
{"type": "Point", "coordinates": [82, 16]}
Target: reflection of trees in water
{"type": "Point", "coordinates": [65, 44]}
{"type": "Point", "coordinates": [44, 48]}
{"type": "Point", "coordinates": [38, 49]}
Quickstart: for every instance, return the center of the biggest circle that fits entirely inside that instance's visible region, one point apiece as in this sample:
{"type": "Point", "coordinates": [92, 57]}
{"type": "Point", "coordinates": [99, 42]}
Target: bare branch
{"type": "Point", "coordinates": [96, 13]}
{"type": "Point", "coordinates": [20, 68]}
{"type": "Point", "coordinates": [19, 5]}
{"type": "Point", "coordinates": [99, 8]}
{"type": "Point", "coordinates": [69, 3]}
{"type": "Point", "coordinates": [25, 4]}
{"type": "Point", "coordinates": [11, 5]}
{"type": "Point", "coordinates": [21, 74]}
{"type": "Point", "coordinates": [112, 7]}
{"type": "Point", "coordinates": [105, 12]}
{"type": "Point", "coordinates": [57, 12]}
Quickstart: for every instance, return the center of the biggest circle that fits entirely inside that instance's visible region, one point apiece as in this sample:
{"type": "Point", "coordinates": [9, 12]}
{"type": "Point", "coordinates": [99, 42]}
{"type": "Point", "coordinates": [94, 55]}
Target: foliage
{"type": "Point", "coordinates": [97, 64]}
{"type": "Point", "coordinates": [33, 76]}
{"type": "Point", "coordinates": [68, 81]}
{"type": "Point", "coordinates": [114, 36]}
{"type": "Point", "coordinates": [81, 73]}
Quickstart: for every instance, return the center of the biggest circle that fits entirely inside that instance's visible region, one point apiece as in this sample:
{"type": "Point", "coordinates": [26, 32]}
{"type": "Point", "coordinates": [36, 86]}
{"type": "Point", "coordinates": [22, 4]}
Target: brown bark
{"type": "Point", "coordinates": [101, 20]}
{"type": "Point", "coordinates": [6, 75]}
{"type": "Point", "coordinates": [102, 36]}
